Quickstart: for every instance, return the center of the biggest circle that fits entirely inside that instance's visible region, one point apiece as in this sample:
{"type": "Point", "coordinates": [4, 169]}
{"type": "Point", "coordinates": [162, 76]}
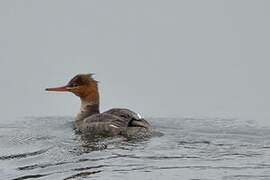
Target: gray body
{"type": "Point", "coordinates": [113, 122]}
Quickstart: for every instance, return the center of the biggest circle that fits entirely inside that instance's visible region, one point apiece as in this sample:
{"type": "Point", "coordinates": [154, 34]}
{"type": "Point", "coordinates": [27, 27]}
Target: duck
{"type": "Point", "coordinates": [89, 120]}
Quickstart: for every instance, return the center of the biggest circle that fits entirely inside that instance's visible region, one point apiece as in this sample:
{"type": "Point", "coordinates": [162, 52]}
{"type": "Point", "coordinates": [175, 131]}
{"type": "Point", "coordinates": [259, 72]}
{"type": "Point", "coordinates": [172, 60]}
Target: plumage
{"type": "Point", "coordinates": [116, 121]}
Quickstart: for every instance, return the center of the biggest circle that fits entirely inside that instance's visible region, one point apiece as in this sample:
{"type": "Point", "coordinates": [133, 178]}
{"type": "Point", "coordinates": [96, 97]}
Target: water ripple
{"type": "Point", "coordinates": [189, 148]}
{"type": "Point", "coordinates": [82, 174]}
{"type": "Point", "coordinates": [30, 176]}
{"type": "Point", "coordinates": [23, 155]}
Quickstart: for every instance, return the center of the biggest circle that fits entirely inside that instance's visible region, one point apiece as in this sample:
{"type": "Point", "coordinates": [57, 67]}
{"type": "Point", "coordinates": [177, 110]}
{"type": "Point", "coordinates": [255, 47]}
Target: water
{"type": "Point", "coordinates": [48, 148]}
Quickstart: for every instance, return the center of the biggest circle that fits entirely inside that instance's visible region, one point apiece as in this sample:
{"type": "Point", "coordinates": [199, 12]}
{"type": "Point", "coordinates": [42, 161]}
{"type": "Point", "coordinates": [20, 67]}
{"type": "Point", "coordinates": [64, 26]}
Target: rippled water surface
{"type": "Point", "coordinates": [48, 148]}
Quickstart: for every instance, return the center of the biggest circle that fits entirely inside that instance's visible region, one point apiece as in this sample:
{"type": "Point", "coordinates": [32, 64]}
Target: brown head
{"type": "Point", "coordinates": [82, 85]}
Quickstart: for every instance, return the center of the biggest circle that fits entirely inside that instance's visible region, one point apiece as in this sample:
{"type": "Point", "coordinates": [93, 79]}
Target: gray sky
{"type": "Point", "coordinates": [160, 58]}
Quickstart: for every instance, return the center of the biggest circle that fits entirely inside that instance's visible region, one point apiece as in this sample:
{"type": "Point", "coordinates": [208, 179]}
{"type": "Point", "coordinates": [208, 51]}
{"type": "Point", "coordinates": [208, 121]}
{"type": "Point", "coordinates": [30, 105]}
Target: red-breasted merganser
{"type": "Point", "coordinates": [113, 122]}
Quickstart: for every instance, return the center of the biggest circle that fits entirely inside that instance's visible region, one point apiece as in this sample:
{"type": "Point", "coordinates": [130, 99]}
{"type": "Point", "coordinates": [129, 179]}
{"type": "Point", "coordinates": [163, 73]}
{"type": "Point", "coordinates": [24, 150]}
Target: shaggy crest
{"type": "Point", "coordinates": [82, 79]}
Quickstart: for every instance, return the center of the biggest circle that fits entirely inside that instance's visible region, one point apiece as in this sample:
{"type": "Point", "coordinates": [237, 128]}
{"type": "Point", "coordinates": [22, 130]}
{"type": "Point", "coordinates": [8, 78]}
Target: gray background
{"type": "Point", "coordinates": [189, 58]}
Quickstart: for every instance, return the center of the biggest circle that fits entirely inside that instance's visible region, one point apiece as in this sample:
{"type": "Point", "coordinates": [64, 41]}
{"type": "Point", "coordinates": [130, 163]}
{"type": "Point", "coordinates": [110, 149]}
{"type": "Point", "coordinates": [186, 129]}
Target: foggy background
{"type": "Point", "coordinates": [182, 58]}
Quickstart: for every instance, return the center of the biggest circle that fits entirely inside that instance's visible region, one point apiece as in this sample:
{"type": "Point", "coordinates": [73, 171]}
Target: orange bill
{"type": "Point", "coordinates": [59, 89]}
